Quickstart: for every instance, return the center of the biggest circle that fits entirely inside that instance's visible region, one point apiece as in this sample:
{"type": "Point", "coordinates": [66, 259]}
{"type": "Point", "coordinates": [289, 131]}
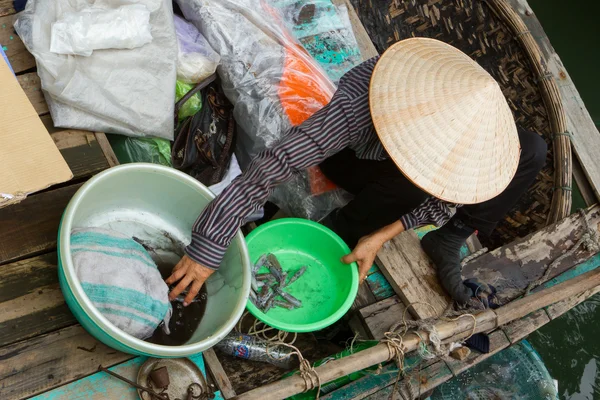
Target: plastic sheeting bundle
{"type": "Point", "coordinates": [129, 92]}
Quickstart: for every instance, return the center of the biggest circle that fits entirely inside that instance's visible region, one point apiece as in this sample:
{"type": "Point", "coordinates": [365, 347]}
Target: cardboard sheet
{"type": "Point", "coordinates": [29, 159]}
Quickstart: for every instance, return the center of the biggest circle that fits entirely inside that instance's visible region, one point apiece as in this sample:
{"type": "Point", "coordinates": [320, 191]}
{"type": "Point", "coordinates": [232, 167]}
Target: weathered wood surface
{"type": "Point", "coordinates": [6, 7]}
{"type": "Point", "coordinates": [19, 58]}
{"type": "Point", "coordinates": [511, 268]}
{"type": "Point", "coordinates": [411, 274]}
{"type": "Point", "coordinates": [221, 379]}
{"type": "Point", "coordinates": [31, 227]}
{"type": "Point", "coordinates": [31, 85]}
{"type": "Point", "coordinates": [379, 317]}
{"type": "Point", "coordinates": [519, 329]}
{"type": "Point", "coordinates": [366, 46]}
{"type": "Point", "coordinates": [586, 138]}
{"type": "Point", "coordinates": [109, 154]}
{"type": "Point", "coordinates": [36, 365]}
{"type": "Point", "coordinates": [31, 300]}
{"type": "Point", "coordinates": [558, 309]}
{"type": "Point", "coordinates": [364, 297]}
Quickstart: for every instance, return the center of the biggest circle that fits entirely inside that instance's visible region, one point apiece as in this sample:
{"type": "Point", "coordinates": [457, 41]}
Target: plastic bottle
{"type": "Point", "coordinates": [255, 349]}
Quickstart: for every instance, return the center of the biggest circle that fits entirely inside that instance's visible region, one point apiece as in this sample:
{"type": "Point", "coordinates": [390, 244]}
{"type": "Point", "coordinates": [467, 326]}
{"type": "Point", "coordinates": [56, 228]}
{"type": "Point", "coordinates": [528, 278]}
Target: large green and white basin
{"type": "Point", "coordinates": [159, 205]}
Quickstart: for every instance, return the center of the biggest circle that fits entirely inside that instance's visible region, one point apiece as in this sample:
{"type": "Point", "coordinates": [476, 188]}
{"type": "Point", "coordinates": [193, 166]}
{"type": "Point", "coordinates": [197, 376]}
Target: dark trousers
{"type": "Point", "coordinates": [382, 194]}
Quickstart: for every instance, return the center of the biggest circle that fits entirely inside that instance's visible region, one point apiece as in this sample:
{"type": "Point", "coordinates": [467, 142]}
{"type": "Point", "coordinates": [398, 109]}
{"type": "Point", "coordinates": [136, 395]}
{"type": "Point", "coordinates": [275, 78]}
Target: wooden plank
{"type": "Point", "coordinates": [216, 369]}
{"type": "Point", "coordinates": [6, 7]}
{"type": "Point", "coordinates": [511, 268]}
{"type": "Point", "coordinates": [45, 362]}
{"type": "Point", "coordinates": [498, 342]}
{"type": "Point", "coordinates": [30, 227]}
{"type": "Point", "coordinates": [378, 318]}
{"type": "Point", "coordinates": [411, 274]}
{"type": "Point", "coordinates": [558, 309]}
{"type": "Point", "coordinates": [19, 58]}
{"type": "Point", "coordinates": [519, 329]}
{"type": "Point", "coordinates": [80, 149]}
{"type": "Point", "coordinates": [586, 138]}
{"type": "Point", "coordinates": [365, 45]}
{"type": "Point", "coordinates": [586, 190]}
{"type": "Point", "coordinates": [31, 85]}
{"type": "Point", "coordinates": [31, 300]}
{"type": "Point", "coordinates": [379, 286]}
{"type": "Point", "coordinates": [107, 149]}
{"type": "Point", "coordinates": [364, 297]}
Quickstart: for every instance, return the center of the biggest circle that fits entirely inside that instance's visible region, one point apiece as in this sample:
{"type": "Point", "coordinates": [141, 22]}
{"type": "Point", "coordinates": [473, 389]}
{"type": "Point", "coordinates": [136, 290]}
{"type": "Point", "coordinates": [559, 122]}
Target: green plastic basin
{"type": "Point", "coordinates": [328, 287]}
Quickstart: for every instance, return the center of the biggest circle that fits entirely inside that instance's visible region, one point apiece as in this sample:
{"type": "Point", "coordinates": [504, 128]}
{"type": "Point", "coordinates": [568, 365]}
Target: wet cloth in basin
{"type": "Point", "coordinates": [120, 278]}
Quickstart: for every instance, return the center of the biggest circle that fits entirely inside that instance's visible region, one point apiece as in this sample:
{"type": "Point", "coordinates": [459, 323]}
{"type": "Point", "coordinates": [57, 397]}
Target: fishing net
{"type": "Point", "coordinates": [517, 372]}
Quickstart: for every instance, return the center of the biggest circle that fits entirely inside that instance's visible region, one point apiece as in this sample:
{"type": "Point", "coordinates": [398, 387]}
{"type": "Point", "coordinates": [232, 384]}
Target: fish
{"type": "Point", "coordinates": [262, 261]}
{"type": "Point", "coordinates": [275, 267]}
{"type": "Point", "coordinates": [297, 275]}
{"type": "Point", "coordinates": [283, 304]}
{"type": "Point", "coordinates": [289, 298]}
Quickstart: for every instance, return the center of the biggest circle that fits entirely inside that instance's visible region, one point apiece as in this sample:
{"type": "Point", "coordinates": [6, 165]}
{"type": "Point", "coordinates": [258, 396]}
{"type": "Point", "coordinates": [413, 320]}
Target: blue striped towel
{"type": "Point", "coordinates": [120, 278]}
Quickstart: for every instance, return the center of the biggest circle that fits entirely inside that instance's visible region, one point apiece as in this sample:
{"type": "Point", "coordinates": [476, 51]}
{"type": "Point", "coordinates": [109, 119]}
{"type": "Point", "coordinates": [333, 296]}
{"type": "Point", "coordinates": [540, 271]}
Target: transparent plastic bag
{"type": "Point", "coordinates": [196, 60]}
{"type": "Point", "coordinates": [190, 107]}
{"type": "Point", "coordinates": [116, 91]}
{"type": "Point", "coordinates": [272, 82]}
{"type": "Point", "coordinates": [93, 28]}
{"type": "Point", "coordinates": [325, 31]}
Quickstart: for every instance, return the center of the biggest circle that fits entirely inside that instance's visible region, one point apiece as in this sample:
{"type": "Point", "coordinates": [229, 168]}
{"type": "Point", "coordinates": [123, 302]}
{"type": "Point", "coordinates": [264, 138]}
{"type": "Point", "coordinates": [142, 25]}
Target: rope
{"type": "Point", "coordinates": [473, 256]}
{"type": "Point", "coordinates": [307, 372]}
{"type": "Point", "coordinates": [567, 134]}
{"type": "Point", "coordinates": [590, 241]}
{"type": "Point", "coordinates": [395, 348]}
{"type": "Point", "coordinates": [260, 329]}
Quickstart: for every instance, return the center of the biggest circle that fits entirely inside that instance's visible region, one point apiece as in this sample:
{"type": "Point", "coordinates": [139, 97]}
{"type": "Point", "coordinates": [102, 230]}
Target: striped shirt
{"type": "Point", "coordinates": [344, 122]}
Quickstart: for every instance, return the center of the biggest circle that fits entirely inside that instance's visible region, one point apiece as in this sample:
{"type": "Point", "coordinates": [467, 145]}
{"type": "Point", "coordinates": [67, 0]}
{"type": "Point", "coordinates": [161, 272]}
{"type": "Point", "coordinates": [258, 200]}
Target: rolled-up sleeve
{"type": "Point", "coordinates": [328, 131]}
{"type": "Point", "coordinates": [432, 211]}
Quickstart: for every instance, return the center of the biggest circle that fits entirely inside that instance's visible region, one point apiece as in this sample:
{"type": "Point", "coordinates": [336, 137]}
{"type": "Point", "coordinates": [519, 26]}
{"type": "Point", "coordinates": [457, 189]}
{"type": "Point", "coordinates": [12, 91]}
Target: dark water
{"type": "Point", "coordinates": [570, 348]}
{"type": "Point", "coordinates": [185, 320]}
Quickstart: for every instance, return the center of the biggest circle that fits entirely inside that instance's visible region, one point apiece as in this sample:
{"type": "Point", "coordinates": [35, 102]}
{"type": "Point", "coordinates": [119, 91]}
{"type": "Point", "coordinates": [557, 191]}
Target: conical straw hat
{"type": "Point", "coordinates": [444, 121]}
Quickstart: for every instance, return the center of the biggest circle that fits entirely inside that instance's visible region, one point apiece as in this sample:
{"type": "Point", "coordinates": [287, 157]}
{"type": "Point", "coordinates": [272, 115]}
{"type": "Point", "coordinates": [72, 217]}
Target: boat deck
{"type": "Point", "coordinates": [46, 354]}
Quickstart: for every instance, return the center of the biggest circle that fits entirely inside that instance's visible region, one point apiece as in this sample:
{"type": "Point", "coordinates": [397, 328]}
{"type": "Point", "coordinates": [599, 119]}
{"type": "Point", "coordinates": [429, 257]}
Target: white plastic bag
{"type": "Point", "coordinates": [80, 33]}
{"type": "Point", "coordinates": [196, 60]}
{"type": "Point", "coordinates": [130, 92]}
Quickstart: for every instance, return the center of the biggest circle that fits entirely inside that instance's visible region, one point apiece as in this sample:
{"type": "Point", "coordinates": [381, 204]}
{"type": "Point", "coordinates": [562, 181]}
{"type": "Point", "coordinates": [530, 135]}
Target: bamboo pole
{"type": "Point", "coordinates": [447, 330]}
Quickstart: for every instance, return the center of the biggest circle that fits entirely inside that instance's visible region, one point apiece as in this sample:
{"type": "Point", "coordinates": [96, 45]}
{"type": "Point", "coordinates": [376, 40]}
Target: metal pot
{"type": "Point", "coordinates": [153, 203]}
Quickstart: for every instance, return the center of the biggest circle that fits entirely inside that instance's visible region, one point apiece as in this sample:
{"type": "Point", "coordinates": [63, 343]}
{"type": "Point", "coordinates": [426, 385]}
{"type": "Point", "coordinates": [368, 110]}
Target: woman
{"type": "Point", "coordinates": [414, 135]}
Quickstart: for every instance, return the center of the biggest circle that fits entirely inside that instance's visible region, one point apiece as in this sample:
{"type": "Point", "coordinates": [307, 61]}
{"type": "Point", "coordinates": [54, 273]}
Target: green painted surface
{"type": "Point", "coordinates": [570, 345]}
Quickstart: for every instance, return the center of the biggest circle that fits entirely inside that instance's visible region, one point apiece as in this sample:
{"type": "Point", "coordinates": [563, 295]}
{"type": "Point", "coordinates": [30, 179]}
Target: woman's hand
{"type": "Point", "coordinates": [188, 272]}
{"type": "Point", "coordinates": [364, 253]}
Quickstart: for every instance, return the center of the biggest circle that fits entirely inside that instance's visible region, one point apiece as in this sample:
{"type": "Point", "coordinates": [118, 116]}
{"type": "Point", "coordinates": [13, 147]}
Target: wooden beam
{"type": "Point", "coordinates": [586, 138]}
{"type": "Point", "coordinates": [19, 58]}
{"type": "Point", "coordinates": [30, 227]}
{"type": "Point", "coordinates": [221, 379]}
{"type": "Point", "coordinates": [31, 300]}
{"type": "Point", "coordinates": [412, 275]}
{"type": "Point", "coordinates": [511, 268]}
{"type": "Point", "coordinates": [45, 362]}
{"type": "Point", "coordinates": [6, 7]}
